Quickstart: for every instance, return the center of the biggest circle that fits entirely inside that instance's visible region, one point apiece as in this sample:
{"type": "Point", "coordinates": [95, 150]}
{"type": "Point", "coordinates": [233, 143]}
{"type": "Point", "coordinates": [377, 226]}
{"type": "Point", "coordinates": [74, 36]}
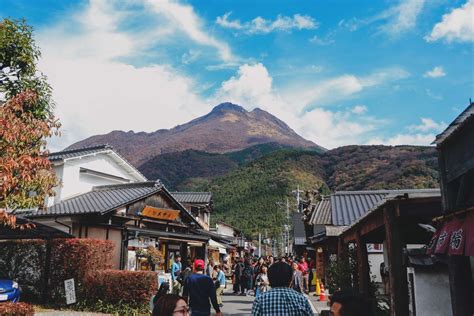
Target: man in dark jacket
{"type": "Point", "coordinates": [200, 290]}
{"type": "Point", "coordinates": [238, 272]}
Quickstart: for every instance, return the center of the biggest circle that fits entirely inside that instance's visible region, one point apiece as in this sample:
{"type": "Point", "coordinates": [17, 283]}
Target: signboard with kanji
{"type": "Point", "coordinates": [158, 213]}
{"type": "Point", "coordinates": [70, 291]}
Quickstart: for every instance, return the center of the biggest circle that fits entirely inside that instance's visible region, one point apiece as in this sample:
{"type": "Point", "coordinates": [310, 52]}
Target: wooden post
{"type": "Point", "coordinates": [341, 247]}
{"type": "Point", "coordinates": [397, 270]}
{"type": "Point", "coordinates": [362, 266]}
{"type": "Point", "coordinates": [460, 285]}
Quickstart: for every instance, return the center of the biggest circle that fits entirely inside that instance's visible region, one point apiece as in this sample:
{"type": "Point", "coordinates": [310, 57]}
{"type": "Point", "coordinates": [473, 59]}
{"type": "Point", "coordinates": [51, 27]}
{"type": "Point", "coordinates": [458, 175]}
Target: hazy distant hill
{"type": "Point", "coordinates": [227, 128]}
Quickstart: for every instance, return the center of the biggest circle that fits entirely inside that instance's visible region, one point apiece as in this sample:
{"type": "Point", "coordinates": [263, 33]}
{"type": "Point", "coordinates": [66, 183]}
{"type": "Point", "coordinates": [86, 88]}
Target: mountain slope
{"type": "Point", "coordinates": [227, 128]}
{"type": "Point", "coordinates": [246, 197]}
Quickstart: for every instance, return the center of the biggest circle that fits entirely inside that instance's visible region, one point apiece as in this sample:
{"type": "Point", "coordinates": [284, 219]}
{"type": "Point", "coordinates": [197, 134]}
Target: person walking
{"type": "Point", "coordinates": [176, 269]}
{"type": "Point", "coordinates": [246, 279]}
{"type": "Point", "coordinates": [238, 272]}
{"type": "Point", "coordinates": [304, 268]}
{"type": "Point", "coordinates": [297, 281]}
{"type": "Point", "coordinates": [200, 290]}
{"type": "Point", "coordinates": [281, 300]}
{"type": "Point", "coordinates": [262, 283]}
{"type": "Point", "coordinates": [219, 284]}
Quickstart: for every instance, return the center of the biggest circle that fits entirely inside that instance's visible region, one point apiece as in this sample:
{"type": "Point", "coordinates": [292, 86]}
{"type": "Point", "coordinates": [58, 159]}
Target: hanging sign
{"type": "Point", "coordinates": [158, 213]}
{"type": "Point", "coordinates": [70, 291]}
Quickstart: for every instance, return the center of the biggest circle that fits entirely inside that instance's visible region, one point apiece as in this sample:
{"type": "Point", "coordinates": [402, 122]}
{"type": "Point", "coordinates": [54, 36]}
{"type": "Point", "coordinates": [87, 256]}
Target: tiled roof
{"type": "Point", "coordinates": [193, 197]}
{"type": "Point", "coordinates": [465, 116]}
{"type": "Point", "coordinates": [321, 214]}
{"type": "Point", "coordinates": [102, 199]}
{"type": "Point", "coordinates": [348, 206]}
{"type": "Point", "coordinates": [299, 232]}
{"type": "Point", "coordinates": [65, 154]}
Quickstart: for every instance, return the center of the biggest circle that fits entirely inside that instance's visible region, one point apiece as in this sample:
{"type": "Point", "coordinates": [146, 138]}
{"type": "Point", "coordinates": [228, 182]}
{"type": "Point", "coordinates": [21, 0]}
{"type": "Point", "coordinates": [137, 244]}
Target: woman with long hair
{"type": "Point", "coordinates": [171, 305]}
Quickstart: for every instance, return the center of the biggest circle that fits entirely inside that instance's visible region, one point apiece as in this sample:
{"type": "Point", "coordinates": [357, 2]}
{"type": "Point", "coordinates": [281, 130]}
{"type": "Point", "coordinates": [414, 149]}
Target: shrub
{"type": "Point", "coordinates": [23, 261]}
{"type": "Point", "coordinates": [116, 286]}
{"type": "Point", "coordinates": [23, 309]}
{"type": "Point", "coordinates": [75, 258]}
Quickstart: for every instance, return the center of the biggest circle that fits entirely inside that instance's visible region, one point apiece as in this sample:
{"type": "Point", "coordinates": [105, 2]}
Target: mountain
{"type": "Point", "coordinates": [247, 196]}
{"type": "Point", "coordinates": [227, 128]}
{"type": "Point", "coordinates": [191, 168]}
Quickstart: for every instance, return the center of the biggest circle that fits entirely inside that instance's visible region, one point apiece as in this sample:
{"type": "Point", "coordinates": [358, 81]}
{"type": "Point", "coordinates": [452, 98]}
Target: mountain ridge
{"type": "Point", "coordinates": [226, 128]}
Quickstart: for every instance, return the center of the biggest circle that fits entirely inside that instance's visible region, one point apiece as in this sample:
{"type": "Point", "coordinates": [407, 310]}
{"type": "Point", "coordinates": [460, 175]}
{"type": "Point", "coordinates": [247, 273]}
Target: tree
{"type": "Point", "coordinates": [26, 121]}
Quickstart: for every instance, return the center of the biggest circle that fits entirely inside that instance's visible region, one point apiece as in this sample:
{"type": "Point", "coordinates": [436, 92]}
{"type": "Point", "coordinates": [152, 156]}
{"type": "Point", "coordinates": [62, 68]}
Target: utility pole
{"type": "Point", "coordinates": [259, 244]}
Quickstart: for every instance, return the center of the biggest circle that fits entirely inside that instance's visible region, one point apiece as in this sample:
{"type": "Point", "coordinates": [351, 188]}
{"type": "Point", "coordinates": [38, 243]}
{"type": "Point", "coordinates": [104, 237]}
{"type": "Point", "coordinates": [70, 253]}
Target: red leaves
{"type": "Point", "coordinates": [113, 286]}
{"type": "Point", "coordinates": [9, 308]}
{"type": "Point", "coordinates": [26, 176]}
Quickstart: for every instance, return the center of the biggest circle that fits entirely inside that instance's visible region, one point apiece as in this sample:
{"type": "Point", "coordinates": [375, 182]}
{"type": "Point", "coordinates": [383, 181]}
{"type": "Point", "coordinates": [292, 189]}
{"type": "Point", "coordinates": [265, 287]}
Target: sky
{"type": "Point", "coordinates": [337, 72]}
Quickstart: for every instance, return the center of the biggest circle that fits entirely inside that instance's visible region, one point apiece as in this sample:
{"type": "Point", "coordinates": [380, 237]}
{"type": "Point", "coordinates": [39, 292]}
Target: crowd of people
{"type": "Point", "coordinates": [279, 286]}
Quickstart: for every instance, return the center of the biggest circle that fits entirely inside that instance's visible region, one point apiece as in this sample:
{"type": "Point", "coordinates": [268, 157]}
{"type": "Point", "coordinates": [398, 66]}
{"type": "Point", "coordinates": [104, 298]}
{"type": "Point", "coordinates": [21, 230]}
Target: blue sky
{"type": "Point", "coordinates": [338, 72]}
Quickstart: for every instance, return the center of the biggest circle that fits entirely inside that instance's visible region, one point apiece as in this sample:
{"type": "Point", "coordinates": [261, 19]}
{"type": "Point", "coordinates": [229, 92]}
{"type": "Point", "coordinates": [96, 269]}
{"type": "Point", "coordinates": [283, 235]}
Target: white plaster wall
{"type": "Point", "coordinates": [74, 183]}
{"type": "Point", "coordinates": [432, 295]}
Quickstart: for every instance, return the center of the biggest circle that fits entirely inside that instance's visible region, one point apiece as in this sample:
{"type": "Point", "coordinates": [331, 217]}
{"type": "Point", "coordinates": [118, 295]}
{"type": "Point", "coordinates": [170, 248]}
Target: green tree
{"type": "Point", "coordinates": [19, 55]}
{"type": "Point", "coordinates": [26, 121]}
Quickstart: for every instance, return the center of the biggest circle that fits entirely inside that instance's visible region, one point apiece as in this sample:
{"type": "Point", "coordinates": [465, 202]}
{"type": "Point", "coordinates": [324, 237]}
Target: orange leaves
{"type": "Point", "coordinates": [26, 176]}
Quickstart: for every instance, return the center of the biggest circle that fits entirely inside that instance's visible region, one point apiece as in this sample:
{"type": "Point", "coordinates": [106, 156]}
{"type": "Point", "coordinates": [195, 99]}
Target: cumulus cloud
{"type": "Point", "coordinates": [253, 87]}
{"type": "Point", "coordinates": [422, 134]}
{"type": "Point", "coordinates": [260, 25]}
{"type": "Point", "coordinates": [436, 72]}
{"type": "Point", "coordinates": [428, 125]}
{"type": "Point", "coordinates": [456, 26]}
{"type": "Point", "coordinates": [97, 92]}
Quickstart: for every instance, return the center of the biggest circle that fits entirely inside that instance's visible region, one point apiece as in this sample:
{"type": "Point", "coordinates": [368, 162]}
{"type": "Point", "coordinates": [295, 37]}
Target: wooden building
{"type": "Point", "coordinates": [397, 221]}
{"type": "Point", "coordinates": [455, 238]}
{"type": "Point", "coordinates": [135, 216]}
{"type": "Point", "coordinates": [199, 204]}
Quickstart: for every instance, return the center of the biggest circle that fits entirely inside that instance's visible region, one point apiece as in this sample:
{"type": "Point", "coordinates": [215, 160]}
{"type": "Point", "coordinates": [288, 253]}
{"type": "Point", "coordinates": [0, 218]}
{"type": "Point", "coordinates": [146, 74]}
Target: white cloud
{"type": "Point", "coordinates": [404, 139]}
{"type": "Point", "coordinates": [436, 72]}
{"type": "Point", "coordinates": [394, 21]}
{"type": "Point", "coordinates": [456, 26]}
{"type": "Point", "coordinates": [428, 125]}
{"type": "Point", "coordinates": [422, 134]}
{"type": "Point", "coordinates": [260, 25]}
{"type": "Point", "coordinates": [253, 87]}
{"type": "Point", "coordinates": [184, 18]}
{"type": "Point", "coordinates": [321, 41]}
{"type": "Point", "coordinates": [359, 109]}
{"type": "Point", "coordinates": [96, 92]}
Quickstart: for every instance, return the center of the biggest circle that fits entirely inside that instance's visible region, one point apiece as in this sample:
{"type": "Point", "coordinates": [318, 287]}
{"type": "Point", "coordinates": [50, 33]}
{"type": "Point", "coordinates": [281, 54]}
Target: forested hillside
{"type": "Point", "coordinates": [247, 196]}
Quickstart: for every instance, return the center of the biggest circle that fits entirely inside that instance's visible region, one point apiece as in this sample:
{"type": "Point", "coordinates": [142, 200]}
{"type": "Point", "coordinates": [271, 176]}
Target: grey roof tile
{"type": "Point", "coordinates": [321, 214]}
{"type": "Point", "coordinates": [348, 206]}
{"type": "Point", "coordinates": [465, 116]}
{"type": "Point", "coordinates": [102, 199]}
{"type": "Point", "coordinates": [193, 197]}
{"type": "Point", "coordinates": [61, 155]}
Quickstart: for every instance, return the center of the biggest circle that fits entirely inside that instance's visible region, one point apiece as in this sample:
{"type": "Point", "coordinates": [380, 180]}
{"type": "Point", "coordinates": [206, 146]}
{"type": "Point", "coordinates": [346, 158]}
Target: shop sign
{"type": "Point", "coordinates": [158, 213]}
{"type": "Point", "coordinates": [70, 291]}
{"type": "Point", "coordinates": [144, 242]}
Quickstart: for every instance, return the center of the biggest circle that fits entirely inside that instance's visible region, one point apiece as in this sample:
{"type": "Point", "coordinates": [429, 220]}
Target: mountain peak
{"type": "Point", "coordinates": [228, 106]}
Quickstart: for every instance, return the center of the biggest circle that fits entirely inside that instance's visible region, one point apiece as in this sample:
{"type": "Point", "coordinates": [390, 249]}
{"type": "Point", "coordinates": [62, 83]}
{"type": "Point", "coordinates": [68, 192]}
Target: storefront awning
{"type": "Point", "coordinates": [182, 237]}
{"type": "Point", "coordinates": [218, 246]}
{"type": "Point", "coordinates": [455, 237]}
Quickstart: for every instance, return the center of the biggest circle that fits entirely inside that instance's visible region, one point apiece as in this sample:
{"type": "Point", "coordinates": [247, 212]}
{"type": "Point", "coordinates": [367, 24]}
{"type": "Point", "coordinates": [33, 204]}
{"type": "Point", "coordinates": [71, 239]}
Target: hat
{"type": "Point", "coordinates": [199, 264]}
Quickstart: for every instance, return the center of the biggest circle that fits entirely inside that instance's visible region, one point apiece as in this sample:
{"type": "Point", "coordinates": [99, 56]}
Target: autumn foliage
{"type": "Point", "coordinates": [26, 173]}
{"type": "Point", "coordinates": [109, 285]}
{"type": "Point", "coordinates": [15, 309]}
